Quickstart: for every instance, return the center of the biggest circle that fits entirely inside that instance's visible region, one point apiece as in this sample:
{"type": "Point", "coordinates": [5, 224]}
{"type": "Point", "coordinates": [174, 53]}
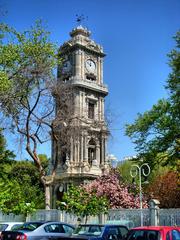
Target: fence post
{"type": "Point", "coordinates": [154, 212]}
{"type": "Point", "coordinates": [102, 218]}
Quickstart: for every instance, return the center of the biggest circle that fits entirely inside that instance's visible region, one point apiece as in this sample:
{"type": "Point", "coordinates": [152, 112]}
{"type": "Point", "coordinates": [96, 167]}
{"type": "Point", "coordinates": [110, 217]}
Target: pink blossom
{"type": "Point", "coordinates": [116, 191]}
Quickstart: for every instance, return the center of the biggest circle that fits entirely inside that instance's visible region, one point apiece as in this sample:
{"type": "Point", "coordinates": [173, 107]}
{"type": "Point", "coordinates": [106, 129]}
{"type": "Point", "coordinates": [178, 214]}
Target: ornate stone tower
{"type": "Point", "coordinates": [82, 69]}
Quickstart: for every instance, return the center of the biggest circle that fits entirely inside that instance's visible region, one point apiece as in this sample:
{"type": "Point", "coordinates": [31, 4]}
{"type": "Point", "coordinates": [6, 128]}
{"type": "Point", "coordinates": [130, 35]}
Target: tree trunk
{"type": "Point", "coordinates": [47, 197]}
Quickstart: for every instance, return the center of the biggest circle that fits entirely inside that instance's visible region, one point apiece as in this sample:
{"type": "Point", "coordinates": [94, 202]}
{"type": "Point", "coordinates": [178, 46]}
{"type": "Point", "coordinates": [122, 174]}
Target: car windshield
{"type": "Point", "coordinates": [93, 230]}
{"type": "Point", "coordinates": [30, 226]}
{"type": "Point", "coordinates": [3, 227]}
{"type": "Point", "coordinates": [144, 235]}
{"type": "Point", "coordinates": [16, 227]}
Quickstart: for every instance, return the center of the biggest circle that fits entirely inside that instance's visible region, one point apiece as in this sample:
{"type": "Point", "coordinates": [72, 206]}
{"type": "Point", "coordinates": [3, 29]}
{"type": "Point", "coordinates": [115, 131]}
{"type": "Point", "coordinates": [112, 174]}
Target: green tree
{"type": "Point", "coordinates": [5, 154]}
{"type": "Point", "coordinates": [27, 176]}
{"type": "Point", "coordinates": [124, 170]}
{"type": "Point", "coordinates": [27, 63]}
{"type": "Point", "coordinates": [44, 161]}
{"type": "Point", "coordinates": [6, 158]}
{"type": "Point", "coordinates": [13, 199]}
{"type": "Point", "coordinates": [81, 203]}
{"type": "Point", "coordinates": [21, 177]}
{"type": "Point", "coordinates": [156, 132]}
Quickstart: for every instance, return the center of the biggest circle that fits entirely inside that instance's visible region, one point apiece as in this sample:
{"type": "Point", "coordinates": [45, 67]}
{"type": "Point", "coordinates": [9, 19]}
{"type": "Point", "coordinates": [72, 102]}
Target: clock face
{"type": "Point", "coordinates": [90, 66]}
{"type": "Point", "coordinates": [66, 66]}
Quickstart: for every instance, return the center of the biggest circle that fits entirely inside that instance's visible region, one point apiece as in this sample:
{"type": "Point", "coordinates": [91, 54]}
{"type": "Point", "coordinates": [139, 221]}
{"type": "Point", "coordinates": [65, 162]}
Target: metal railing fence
{"type": "Point", "coordinates": [129, 217]}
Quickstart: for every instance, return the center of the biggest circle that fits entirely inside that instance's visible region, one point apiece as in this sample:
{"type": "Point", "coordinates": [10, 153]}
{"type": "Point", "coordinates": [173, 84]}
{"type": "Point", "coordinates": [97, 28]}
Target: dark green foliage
{"type": "Point", "coordinates": [20, 188]}
{"type": "Point", "coordinates": [5, 155]}
{"type": "Point", "coordinates": [13, 199]}
{"type": "Point", "coordinates": [20, 185]}
{"type": "Point", "coordinates": [27, 175]}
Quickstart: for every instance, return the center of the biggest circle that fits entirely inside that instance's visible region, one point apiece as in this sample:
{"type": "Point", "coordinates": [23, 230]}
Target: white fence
{"type": "Point", "coordinates": [11, 217]}
{"type": "Point", "coordinates": [128, 217]}
{"type": "Point", "coordinates": [169, 217]}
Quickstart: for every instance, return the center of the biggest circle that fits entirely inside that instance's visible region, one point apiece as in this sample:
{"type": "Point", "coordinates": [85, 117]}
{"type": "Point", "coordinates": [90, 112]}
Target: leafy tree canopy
{"type": "Point", "coordinates": [27, 78]}
{"type": "Point", "coordinates": [20, 188]}
{"type": "Point", "coordinates": [82, 203]}
{"type": "Point", "coordinates": [13, 200]}
{"type": "Point", "coordinates": [124, 170]}
{"type": "Point", "coordinates": [156, 132]}
{"type": "Point", "coordinates": [5, 154]}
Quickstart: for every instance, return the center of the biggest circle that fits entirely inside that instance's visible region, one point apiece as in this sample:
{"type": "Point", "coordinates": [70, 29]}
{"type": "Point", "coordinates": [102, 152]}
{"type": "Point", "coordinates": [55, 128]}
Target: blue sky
{"type": "Point", "coordinates": [136, 36]}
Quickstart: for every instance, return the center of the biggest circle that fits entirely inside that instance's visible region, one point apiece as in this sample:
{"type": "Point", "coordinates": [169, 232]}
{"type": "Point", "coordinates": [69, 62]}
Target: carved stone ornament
{"type": "Point", "coordinates": [87, 169]}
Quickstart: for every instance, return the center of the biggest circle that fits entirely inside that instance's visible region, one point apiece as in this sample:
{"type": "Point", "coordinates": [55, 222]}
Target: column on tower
{"type": "Point", "coordinates": [76, 104]}
{"type": "Point", "coordinates": [99, 71]}
{"type": "Point", "coordinates": [81, 104]}
{"type": "Point", "coordinates": [105, 147]}
{"type": "Point", "coordinates": [102, 150]}
{"type": "Point", "coordinates": [85, 147]}
{"type": "Point", "coordinates": [74, 63]}
{"type": "Point", "coordinates": [99, 108]}
{"type": "Point", "coordinates": [101, 113]}
{"type": "Point", "coordinates": [75, 152]}
{"type": "Point", "coordinates": [82, 155]}
{"type": "Point", "coordinates": [102, 110]}
{"type": "Point", "coordinates": [82, 64]}
{"type": "Point", "coordinates": [78, 62]}
{"type": "Point", "coordinates": [72, 150]}
{"type": "Point", "coordinates": [96, 110]}
{"type": "Point", "coordinates": [78, 148]}
{"type": "Point", "coordinates": [98, 153]}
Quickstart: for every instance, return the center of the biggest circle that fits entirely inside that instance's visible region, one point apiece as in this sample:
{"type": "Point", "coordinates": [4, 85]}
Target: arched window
{"type": "Point", "coordinates": [63, 157]}
{"type": "Point", "coordinates": [91, 106]}
{"type": "Point", "coordinates": [91, 151]}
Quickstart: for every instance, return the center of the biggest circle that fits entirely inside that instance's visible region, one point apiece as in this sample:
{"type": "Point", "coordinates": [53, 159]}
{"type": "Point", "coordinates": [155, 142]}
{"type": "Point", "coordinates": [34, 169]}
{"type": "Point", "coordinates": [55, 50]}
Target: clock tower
{"type": "Point", "coordinates": [85, 156]}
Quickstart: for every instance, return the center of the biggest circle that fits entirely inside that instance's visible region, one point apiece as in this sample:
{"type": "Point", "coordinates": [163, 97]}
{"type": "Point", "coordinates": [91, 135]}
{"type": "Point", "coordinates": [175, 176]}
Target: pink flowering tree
{"type": "Point", "coordinates": [119, 194]}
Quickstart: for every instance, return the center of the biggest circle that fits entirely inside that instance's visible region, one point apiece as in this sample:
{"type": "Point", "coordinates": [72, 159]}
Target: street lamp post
{"type": "Point", "coordinates": [142, 170]}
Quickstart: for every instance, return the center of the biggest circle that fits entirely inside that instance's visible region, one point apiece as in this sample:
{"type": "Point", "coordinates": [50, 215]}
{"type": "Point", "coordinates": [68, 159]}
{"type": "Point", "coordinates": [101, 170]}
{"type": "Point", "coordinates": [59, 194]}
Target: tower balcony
{"type": "Point", "coordinates": [101, 88]}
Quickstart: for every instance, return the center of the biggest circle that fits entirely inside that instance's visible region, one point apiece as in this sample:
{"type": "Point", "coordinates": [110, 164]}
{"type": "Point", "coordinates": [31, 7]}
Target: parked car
{"type": "Point", "coordinates": [128, 223]}
{"type": "Point", "coordinates": [100, 232]}
{"type": "Point", "coordinates": [39, 231]}
{"type": "Point", "coordinates": [7, 226]}
{"type": "Point", "coordinates": [154, 233]}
